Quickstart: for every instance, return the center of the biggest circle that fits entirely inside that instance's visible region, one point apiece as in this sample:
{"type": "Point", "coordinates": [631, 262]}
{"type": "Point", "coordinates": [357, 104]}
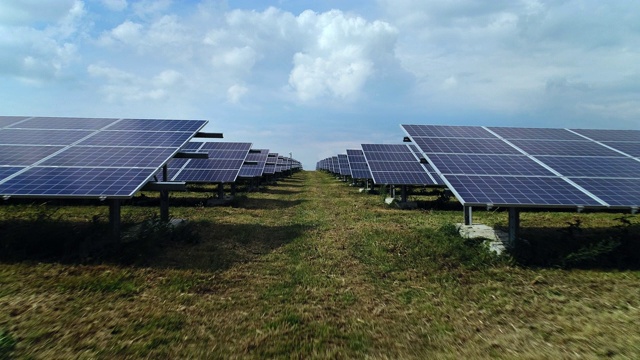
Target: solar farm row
{"type": "Point", "coordinates": [506, 166]}
{"type": "Point", "coordinates": [114, 158]}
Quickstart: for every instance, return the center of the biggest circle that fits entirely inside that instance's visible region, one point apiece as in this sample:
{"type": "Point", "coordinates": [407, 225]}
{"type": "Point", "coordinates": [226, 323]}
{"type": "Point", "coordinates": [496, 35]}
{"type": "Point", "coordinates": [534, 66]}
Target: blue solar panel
{"type": "Point", "coordinates": [138, 138]}
{"type": "Point", "coordinates": [395, 171]}
{"type": "Point", "coordinates": [547, 156]}
{"type": "Point", "coordinates": [511, 190]}
{"type": "Point", "coordinates": [254, 170]}
{"type": "Point", "coordinates": [6, 171]}
{"type": "Point", "coordinates": [343, 161]}
{"type": "Point", "coordinates": [629, 148]}
{"type": "Point", "coordinates": [81, 182]}
{"type": "Point", "coordinates": [190, 126]}
{"type": "Point", "coordinates": [535, 133]}
{"type": "Point", "coordinates": [573, 148]}
{"type": "Point", "coordinates": [613, 167]}
{"type": "Point", "coordinates": [64, 123]}
{"type": "Point", "coordinates": [487, 165]}
{"type": "Point", "coordinates": [223, 156]}
{"type": "Point", "coordinates": [40, 137]}
{"type": "Point", "coordinates": [444, 131]}
{"type": "Point", "coordinates": [465, 146]}
{"type": "Point", "coordinates": [104, 156]}
{"type": "Point", "coordinates": [615, 192]}
{"type": "Point", "coordinates": [610, 135]}
{"type": "Point", "coordinates": [25, 154]}
{"type": "Point", "coordinates": [10, 120]}
{"type": "Point", "coordinates": [57, 165]}
{"type": "Point", "coordinates": [358, 165]}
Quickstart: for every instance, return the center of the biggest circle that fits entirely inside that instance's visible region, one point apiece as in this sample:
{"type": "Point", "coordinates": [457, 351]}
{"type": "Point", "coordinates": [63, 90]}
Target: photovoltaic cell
{"type": "Point", "coordinates": [6, 171]}
{"type": "Point", "coordinates": [6, 121]}
{"type": "Point", "coordinates": [615, 192]}
{"type": "Point", "coordinates": [504, 190]}
{"type": "Point", "coordinates": [464, 146]}
{"type": "Point", "coordinates": [137, 138]}
{"type": "Point", "coordinates": [146, 125]}
{"type": "Point", "coordinates": [629, 148]}
{"type": "Point", "coordinates": [51, 123]}
{"type": "Point", "coordinates": [603, 167]}
{"type": "Point", "coordinates": [254, 170]}
{"type": "Point", "coordinates": [610, 135]}
{"type": "Point", "coordinates": [104, 156]}
{"type": "Point", "coordinates": [25, 154]}
{"type": "Point", "coordinates": [395, 172]}
{"type": "Point", "coordinates": [40, 137]}
{"type": "Point", "coordinates": [572, 148]}
{"type": "Point", "coordinates": [488, 165]}
{"type": "Point", "coordinates": [70, 182]}
{"type": "Point", "coordinates": [535, 133]}
{"type": "Point", "coordinates": [443, 131]}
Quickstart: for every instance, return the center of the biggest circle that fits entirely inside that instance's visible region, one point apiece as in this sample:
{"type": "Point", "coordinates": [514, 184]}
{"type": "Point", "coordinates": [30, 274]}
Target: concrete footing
{"type": "Point", "coordinates": [496, 240]}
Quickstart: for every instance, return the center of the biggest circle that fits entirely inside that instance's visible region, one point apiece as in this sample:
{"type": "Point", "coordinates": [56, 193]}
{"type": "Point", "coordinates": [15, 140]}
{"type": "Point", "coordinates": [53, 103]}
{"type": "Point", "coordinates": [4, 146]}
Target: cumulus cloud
{"type": "Point", "coordinates": [36, 53]}
{"type": "Point", "coordinates": [508, 56]}
{"type": "Point", "coordinates": [341, 54]}
{"type": "Point", "coordinates": [122, 86]}
{"type": "Point", "coordinates": [235, 93]}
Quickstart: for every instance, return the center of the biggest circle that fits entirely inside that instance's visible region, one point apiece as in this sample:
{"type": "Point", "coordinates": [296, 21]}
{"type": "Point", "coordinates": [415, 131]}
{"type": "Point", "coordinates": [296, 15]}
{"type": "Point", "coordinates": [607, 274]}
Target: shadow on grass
{"type": "Point", "coordinates": [267, 204]}
{"type": "Point", "coordinates": [197, 245]}
{"type": "Point", "coordinates": [616, 247]}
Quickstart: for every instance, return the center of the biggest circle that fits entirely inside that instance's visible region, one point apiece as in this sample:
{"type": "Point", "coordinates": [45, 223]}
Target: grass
{"type": "Point", "coordinates": [310, 268]}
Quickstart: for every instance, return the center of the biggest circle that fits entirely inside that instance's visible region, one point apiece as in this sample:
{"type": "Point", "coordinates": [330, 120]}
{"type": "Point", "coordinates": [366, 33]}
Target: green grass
{"type": "Point", "coordinates": [310, 268]}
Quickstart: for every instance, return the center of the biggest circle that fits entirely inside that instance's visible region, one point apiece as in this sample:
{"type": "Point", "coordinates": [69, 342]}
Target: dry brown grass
{"type": "Point", "coordinates": [313, 269]}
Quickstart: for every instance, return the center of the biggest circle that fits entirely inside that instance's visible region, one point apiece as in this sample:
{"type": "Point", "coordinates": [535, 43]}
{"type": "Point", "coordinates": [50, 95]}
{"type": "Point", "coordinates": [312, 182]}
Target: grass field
{"type": "Point", "coordinates": [310, 268]}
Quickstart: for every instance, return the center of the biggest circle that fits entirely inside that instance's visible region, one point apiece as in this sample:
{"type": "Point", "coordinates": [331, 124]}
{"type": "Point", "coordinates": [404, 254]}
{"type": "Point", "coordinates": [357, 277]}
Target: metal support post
{"type": "Point", "coordinates": [164, 206]}
{"type": "Point", "coordinates": [114, 219]}
{"type": "Point", "coordinates": [514, 225]}
{"type": "Point", "coordinates": [233, 189]}
{"type": "Point", "coordinates": [221, 191]}
{"type": "Point", "coordinates": [468, 215]}
{"type": "Point", "coordinates": [404, 193]}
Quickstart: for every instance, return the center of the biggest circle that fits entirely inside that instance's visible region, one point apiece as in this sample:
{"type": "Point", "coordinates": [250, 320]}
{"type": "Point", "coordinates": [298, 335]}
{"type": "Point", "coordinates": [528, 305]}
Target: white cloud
{"type": "Point", "coordinates": [122, 86]}
{"type": "Point", "coordinates": [235, 93]}
{"type": "Point", "coordinates": [25, 12]}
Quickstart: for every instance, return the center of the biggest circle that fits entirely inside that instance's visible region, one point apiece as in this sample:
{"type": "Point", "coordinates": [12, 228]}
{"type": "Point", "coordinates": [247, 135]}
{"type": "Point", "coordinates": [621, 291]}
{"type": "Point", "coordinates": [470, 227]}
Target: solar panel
{"type": "Point", "coordinates": [549, 167]}
{"type": "Point", "coordinates": [343, 162]}
{"type": "Point", "coordinates": [222, 166]}
{"type": "Point", "coordinates": [426, 165]}
{"type": "Point", "coordinates": [72, 157]}
{"type": "Point", "coordinates": [610, 135]}
{"type": "Point", "coordinates": [514, 190]}
{"type": "Point", "coordinates": [254, 170]}
{"type": "Point", "coordinates": [574, 148]}
{"type": "Point", "coordinates": [480, 164]}
{"type": "Point", "coordinates": [358, 165]}
{"type": "Point", "coordinates": [629, 148]}
{"type": "Point", "coordinates": [395, 171]}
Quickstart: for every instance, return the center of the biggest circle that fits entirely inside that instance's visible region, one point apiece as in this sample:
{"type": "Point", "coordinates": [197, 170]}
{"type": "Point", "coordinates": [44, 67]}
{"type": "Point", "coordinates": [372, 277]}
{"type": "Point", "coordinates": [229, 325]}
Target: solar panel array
{"type": "Point", "coordinates": [86, 157]}
{"type": "Point", "coordinates": [507, 166]}
{"type": "Point", "coordinates": [343, 163]}
{"type": "Point", "coordinates": [222, 166]}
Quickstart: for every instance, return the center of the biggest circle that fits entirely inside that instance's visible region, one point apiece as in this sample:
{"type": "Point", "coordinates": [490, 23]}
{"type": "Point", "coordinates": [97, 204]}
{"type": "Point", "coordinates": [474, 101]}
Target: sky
{"type": "Point", "coordinates": [314, 78]}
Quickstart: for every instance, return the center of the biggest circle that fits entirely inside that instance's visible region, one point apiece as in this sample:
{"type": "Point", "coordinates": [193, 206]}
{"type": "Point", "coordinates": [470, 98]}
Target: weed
{"type": "Point", "coordinates": [7, 345]}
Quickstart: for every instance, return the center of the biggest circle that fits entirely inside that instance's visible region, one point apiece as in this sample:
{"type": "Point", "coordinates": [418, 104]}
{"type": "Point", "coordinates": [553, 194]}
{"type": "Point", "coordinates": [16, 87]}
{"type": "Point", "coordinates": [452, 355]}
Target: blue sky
{"type": "Point", "coordinates": [317, 77]}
